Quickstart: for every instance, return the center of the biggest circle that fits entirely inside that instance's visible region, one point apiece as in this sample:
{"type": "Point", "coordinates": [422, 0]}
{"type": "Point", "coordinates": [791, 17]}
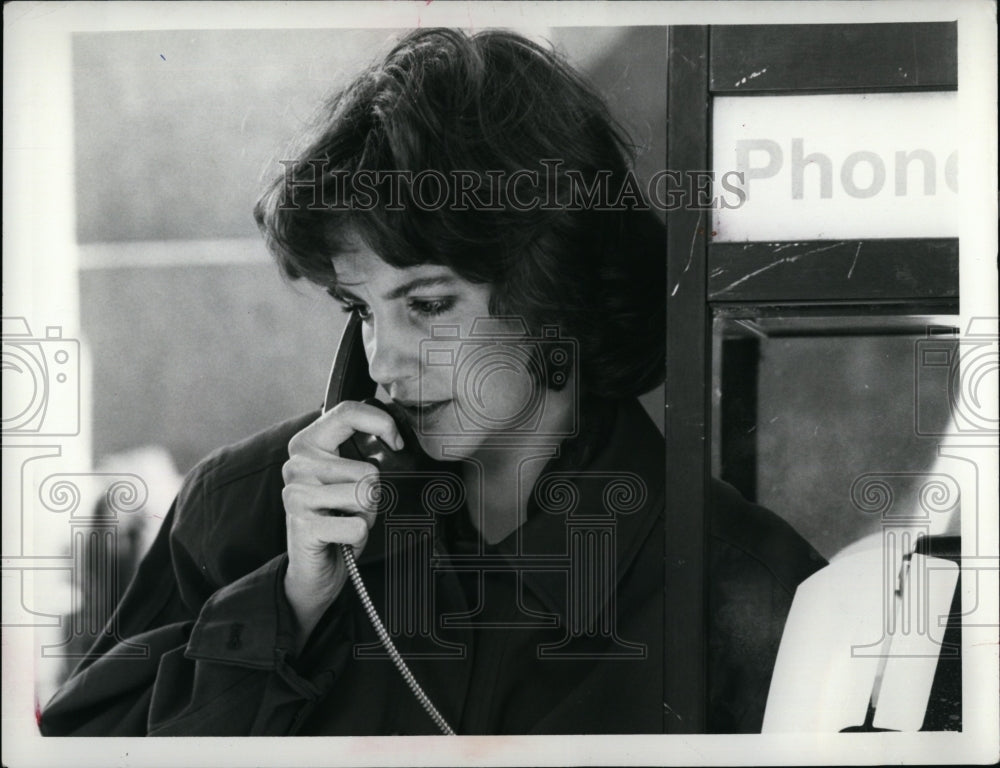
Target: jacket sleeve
{"type": "Point", "coordinates": [201, 642]}
{"type": "Point", "coordinates": [110, 690]}
{"type": "Point", "coordinates": [236, 675]}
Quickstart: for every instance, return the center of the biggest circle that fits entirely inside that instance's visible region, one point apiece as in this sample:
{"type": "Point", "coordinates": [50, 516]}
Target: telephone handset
{"type": "Point", "coordinates": [349, 380]}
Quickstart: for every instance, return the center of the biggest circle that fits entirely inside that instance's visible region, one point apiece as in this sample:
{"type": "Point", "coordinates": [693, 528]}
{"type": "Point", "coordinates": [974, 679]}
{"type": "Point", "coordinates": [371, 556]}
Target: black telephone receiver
{"type": "Point", "coordinates": [349, 380]}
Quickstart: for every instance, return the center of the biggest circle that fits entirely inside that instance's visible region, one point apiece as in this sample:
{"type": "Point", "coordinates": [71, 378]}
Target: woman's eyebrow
{"type": "Point", "coordinates": [339, 291]}
{"type": "Point", "coordinates": [419, 282]}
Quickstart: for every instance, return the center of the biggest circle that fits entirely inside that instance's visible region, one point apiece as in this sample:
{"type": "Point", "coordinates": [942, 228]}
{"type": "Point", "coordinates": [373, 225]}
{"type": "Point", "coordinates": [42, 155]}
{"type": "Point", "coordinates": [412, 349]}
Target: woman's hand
{"type": "Point", "coordinates": [319, 484]}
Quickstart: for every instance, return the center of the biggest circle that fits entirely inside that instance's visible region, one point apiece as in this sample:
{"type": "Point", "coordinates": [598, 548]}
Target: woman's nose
{"type": "Point", "coordinates": [392, 357]}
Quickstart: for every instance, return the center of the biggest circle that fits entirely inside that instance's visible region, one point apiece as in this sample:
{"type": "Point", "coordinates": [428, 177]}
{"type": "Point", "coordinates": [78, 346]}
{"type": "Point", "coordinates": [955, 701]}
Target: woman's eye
{"type": "Point", "coordinates": [432, 307]}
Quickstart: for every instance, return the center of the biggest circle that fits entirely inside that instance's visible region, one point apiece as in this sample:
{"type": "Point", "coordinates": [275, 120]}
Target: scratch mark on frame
{"type": "Point", "coordinates": [751, 76]}
{"type": "Point", "coordinates": [786, 260]}
{"type": "Point", "coordinates": [694, 238]}
{"type": "Point", "coordinates": [820, 250]}
{"type": "Point", "coordinates": [855, 262]}
{"type": "Point", "coordinates": [776, 263]}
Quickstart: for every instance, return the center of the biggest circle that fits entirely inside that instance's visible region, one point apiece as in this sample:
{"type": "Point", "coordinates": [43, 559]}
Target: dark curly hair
{"type": "Point", "coordinates": [493, 104]}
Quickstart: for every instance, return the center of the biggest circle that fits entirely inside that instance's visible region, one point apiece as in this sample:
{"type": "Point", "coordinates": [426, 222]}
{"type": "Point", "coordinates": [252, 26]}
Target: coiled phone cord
{"type": "Point", "coordinates": [383, 635]}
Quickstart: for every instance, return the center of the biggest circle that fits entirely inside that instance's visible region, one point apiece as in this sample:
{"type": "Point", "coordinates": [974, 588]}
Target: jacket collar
{"type": "Point", "coordinates": [607, 481]}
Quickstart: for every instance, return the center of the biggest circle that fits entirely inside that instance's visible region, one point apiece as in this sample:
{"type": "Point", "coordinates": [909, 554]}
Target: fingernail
{"type": "Point", "coordinates": [399, 443]}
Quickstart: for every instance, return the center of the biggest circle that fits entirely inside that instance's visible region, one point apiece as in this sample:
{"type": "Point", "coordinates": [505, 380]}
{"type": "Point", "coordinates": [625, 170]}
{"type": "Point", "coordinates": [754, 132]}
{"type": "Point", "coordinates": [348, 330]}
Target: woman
{"type": "Point", "coordinates": [468, 200]}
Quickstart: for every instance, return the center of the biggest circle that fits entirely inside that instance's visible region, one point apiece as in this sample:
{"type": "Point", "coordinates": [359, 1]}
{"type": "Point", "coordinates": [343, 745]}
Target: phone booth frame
{"type": "Point", "coordinates": [703, 63]}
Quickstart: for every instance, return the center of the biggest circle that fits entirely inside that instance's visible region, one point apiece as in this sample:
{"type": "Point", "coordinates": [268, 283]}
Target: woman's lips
{"type": "Point", "coordinates": [418, 413]}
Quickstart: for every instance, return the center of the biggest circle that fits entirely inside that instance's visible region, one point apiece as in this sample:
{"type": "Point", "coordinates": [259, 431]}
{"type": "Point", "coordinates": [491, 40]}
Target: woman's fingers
{"type": "Point", "coordinates": [323, 530]}
{"type": "Point", "coordinates": [324, 470]}
{"type": "Point", "coordinates": [303, 499]}
{"type": "Point", "coordinates": [330, 430]}
{"type": "Point", "coordinates": [328, 500]}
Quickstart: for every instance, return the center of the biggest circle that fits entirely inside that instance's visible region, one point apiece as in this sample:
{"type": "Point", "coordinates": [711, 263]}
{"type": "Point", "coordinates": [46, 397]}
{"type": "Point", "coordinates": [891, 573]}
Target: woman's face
{"type": "Point", "coordinates": [458, 389]}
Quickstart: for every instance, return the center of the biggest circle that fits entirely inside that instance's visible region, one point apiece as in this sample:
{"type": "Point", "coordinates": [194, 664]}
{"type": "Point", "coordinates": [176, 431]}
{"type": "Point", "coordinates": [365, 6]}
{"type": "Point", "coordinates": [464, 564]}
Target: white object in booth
{"type": "Point", "coordinates": [854, 637]}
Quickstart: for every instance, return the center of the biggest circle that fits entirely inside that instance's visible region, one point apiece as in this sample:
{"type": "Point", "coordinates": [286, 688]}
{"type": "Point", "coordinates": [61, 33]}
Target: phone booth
{"type": "Point", "coordinates": [812, 267]}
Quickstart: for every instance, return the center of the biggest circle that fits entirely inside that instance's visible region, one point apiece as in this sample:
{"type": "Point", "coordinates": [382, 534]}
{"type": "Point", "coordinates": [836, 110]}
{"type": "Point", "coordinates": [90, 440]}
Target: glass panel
{"type": "Point", "coordinates": [805, 406]}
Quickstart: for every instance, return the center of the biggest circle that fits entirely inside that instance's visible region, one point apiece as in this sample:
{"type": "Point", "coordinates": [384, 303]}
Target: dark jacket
{"type": "Point", "coordinates": [557, 629]}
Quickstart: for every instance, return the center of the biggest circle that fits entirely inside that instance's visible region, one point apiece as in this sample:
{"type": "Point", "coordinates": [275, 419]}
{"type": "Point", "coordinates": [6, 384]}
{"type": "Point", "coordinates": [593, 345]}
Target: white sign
{"type": "Point", "coordinates": [836, 166]}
